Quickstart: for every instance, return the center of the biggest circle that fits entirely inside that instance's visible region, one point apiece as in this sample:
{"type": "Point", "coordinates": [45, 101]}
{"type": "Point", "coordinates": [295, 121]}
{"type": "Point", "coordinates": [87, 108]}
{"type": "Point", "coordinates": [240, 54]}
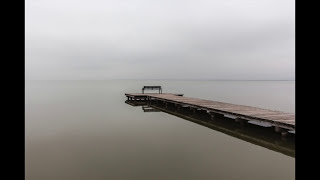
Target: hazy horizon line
{"type": "Point", "coordinates": [162, 79]}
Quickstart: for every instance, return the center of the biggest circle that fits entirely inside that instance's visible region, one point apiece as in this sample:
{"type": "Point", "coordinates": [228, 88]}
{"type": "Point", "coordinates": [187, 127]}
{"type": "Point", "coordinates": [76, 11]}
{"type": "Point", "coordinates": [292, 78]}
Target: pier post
{"type": "Point", "coordinates": [240, 121]}
{"type": "Point", "coordinates": [217, 115]}
{"type": "Point", "coordinates": [277, 129]}
{"type": "Point", "coordinates": [284, 134]}
{"type": "Point", "coordinates": [148, 101]}
{"type": "Point", "coordinates": [212, 117]}
{"type": "Point", "coordinates": [193, 111]}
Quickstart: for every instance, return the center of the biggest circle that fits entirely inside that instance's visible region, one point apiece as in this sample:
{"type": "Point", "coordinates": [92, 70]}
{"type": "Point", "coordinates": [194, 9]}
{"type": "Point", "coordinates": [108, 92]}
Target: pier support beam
{"type": "Point", "coordinates": [277, 129]}
{"type": "Point", "coordinates": [216, 115]}
{"type": "Point", "coordinates": [193, 111]}
{"type": "Point", "coordinates": [284, 133]}
{"type": "Point", "coordinates": [212, 117]}
{"type": "Point", "coordinates": [177, 107]}
{"type": "Point", "coordinates": [242, 122]}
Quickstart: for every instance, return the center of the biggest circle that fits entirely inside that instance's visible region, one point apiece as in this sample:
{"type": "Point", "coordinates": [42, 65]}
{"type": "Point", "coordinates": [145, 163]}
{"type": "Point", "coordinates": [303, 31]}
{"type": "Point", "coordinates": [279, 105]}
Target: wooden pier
{"type": "Point", "coordinates": [281, 121]}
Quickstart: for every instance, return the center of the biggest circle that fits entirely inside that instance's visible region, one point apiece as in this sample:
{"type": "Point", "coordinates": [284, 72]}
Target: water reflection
{"type": "Point", "coordinates": [263, 136]}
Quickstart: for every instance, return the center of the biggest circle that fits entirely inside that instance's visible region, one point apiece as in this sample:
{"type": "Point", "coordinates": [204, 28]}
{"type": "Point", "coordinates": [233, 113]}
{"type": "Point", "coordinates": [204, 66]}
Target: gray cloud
{"type": "Point", "coordinates": [225, 39]}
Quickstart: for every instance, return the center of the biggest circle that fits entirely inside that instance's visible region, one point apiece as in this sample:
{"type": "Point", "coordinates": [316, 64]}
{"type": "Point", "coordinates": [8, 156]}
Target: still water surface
{"type": "Point", "coordinates": [80, 130]}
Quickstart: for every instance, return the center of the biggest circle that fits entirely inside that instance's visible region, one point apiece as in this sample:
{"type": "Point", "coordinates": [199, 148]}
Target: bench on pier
{"type": "Point", "coordinates": [152, 88]}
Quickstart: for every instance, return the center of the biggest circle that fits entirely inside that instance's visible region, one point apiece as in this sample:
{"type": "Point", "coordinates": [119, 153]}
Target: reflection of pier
{"type": "Point", "coordinates": [258, 134]}
{"type": "Point", "coordinates": [147, 108]}
{"type": "Point", "coordinates": [136, 103]}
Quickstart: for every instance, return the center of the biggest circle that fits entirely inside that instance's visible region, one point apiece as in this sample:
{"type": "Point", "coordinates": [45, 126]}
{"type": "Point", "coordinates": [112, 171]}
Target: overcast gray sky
{"type": "Point", "coordinates": [160, 39]}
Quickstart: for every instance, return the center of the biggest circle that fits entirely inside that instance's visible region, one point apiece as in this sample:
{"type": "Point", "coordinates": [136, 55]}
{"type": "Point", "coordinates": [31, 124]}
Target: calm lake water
{"type": "Point", "coordinates": [84, 130]}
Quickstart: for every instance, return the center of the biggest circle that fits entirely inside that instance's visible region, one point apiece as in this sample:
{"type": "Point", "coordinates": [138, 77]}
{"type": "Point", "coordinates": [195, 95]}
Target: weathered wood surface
{"type": "Point", "coordinates": [276, 118]}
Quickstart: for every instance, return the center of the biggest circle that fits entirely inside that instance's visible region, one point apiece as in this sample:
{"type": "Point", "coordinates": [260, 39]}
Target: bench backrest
{"type": "Point", "coordinates": [152, 88]}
